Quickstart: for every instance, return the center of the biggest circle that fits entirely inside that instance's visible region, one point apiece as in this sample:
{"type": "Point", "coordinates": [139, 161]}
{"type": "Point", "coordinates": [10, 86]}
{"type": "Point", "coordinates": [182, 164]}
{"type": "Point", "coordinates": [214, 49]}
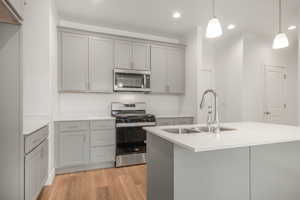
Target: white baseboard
{"type": "Point", "coordinates": [51, 177]}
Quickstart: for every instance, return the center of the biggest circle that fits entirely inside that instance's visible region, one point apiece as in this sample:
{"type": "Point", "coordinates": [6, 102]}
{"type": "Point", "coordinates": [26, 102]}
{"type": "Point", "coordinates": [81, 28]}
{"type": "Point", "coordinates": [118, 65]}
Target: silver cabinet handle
{"type": "Point", "coordinates": [267, 113]}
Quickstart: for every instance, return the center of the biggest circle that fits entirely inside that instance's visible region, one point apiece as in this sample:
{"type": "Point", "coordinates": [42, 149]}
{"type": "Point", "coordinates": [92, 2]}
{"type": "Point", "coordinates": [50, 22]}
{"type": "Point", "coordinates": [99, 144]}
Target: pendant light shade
{"type": "Point", "coordinates": [281, 40]}
{"type": "Point", "coordinates": [214, 27]}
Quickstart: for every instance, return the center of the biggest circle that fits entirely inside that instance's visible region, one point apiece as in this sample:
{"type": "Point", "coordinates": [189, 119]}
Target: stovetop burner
{"type": "Point", "coordinates": [131, 113]}
{"type": "Point", "coordinates": [135, 118]}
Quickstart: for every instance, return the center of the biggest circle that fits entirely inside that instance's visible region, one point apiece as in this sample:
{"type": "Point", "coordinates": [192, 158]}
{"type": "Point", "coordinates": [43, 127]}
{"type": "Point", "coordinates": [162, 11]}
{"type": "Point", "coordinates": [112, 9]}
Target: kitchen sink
{"type": "Point", "coordinates": [195, 130]}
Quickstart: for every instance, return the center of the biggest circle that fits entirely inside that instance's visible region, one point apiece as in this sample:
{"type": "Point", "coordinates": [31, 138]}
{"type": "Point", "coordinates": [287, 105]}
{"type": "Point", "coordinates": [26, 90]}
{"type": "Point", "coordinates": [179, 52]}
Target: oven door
{"type": "Point", "coordinates": [131, 80]}
{"type": "Point", "coordinates": [131, 146]}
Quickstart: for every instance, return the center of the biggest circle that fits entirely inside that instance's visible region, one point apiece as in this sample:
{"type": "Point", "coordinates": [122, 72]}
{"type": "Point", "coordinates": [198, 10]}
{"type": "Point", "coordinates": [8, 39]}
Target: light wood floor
{"type": "Point", "coordinates": [127, 183]}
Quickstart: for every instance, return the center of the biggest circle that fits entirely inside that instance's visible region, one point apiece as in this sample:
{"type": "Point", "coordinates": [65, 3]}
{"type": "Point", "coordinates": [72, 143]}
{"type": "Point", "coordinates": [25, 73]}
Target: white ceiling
{"type": "Point", "coordinates": [155, 16]}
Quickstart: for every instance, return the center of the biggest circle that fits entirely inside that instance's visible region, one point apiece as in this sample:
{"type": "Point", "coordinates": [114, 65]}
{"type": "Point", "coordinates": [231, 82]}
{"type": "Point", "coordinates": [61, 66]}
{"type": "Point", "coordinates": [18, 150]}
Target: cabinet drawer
{"type": "Point", "coordinates": [103, 138]}
{"type": "Point", "coordinates": [165, 122]}
{"type": "Point", "coordinates": [35, 139]}
{"type": "Point", "coordinates": [184, 120]}
{"type": "Point", "coordinates": [74, 126]}
{"type": "Point", "coordinates": [103, 124]}
{"type": "Point", "coordinates": [103, 154]}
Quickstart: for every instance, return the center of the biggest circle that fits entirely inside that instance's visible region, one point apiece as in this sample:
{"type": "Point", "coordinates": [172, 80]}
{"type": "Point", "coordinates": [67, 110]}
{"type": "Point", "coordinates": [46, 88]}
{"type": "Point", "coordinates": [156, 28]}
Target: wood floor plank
{"type": "Point", "coordinates": [127, 183]}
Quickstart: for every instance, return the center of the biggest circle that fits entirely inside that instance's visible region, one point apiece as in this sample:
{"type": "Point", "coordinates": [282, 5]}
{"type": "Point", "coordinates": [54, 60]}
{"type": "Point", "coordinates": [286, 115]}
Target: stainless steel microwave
{"type": "Point", "coordinates": [131, 80]}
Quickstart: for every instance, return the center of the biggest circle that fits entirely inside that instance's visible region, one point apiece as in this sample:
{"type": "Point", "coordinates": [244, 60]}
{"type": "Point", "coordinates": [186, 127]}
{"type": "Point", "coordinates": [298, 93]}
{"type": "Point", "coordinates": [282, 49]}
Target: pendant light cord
{"type": "Point", "coordinates": [214, 8]}
{"type": "Point", "coordinates": [280, 16]}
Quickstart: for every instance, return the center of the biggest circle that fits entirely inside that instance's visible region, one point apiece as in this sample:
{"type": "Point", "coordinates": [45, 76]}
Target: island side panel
{"type": "Point", "coordinates": [275, 171]}
{"type": "Point", "coordinates": [222, 174]}
{"type": "Point", "coordinates": [159, 168]}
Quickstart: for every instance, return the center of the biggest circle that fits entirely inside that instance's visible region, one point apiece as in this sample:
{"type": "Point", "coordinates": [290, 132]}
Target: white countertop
{"type": "Point", "coordinates": [31, 125]}
{"type": "Point", "coordinates": [81, 118]}
{"type": "Point", "coordinates": [246, 134]}
{"type": "Point", "coordinates": [172, 116]}
{"type": "Point", "coordinates": [95, 117]}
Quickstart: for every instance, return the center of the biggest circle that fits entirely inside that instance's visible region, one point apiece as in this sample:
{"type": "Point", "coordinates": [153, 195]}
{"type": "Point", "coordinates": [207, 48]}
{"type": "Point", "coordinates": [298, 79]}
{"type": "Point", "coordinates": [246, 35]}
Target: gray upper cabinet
{"type": "Point", "coordinates": [140, 56]}
{"type": "Point", "coordinates": [176, 70]}
{"type": "Point", "coordinates": [87, 62]}
{"type": "Point", "coordinates": [101, 65]}
{"type": "Point", "coordinates": [74, 62]}
{"type": "Point", "coordinates": [168, 69]}
{"type": "Point", "coordinates": [73, 148]}
{"type": "Point", "coordinates": [123, 54]}
{"type": "Point", "coordinates": [132, 55]}
{"type": "Point", "coordinates": [159, 69]}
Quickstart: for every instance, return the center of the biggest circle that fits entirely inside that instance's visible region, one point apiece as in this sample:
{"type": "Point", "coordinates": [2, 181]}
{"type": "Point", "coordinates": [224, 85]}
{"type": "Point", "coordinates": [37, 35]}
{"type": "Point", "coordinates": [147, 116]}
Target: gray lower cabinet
{"type": "Point", "coordinates": [73, 148]}
{"type": "Point", "coordinates": [174, 121]}
{"type": "Point", "coordinates": [83, 145]}
{"type": "Point", "coordinates": [168, 69]}
{"type": "Point", "coordinates": [36, 165]}
{"type": "Point", "coordinates": [275, 172]}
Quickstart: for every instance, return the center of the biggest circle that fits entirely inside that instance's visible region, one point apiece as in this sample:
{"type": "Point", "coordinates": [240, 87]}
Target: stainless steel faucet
{"type": "Point", "coordinates": [213, 122]}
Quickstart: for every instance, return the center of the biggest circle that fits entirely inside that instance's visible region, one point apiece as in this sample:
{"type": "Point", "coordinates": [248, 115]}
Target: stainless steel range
{"type": "Point", "coordinates": [130, 136]}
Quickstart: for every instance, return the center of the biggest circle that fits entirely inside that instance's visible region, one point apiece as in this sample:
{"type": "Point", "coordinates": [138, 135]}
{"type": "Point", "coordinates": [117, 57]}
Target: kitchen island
{"type": "Point", "coordinates": [254, 161]}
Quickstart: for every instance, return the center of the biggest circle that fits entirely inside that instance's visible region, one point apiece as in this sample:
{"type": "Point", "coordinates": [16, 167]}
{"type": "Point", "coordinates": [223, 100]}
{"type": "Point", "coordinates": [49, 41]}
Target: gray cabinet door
{"type": "Point", "coordinates": [123, 54]}
{"type": "Point", "coordinates": [44, 162]}
{"type": "Point", "coordinates": [158, 69]}
{"type": "Point", "coordinates": [73, 148]}
{"type": "Point", "coordinates": [140, 56]}
{"type": "Point", "coordinates": [74, 62]}
{"type": "Point", "coordinates": [32, 174]}
{"type": "Point", "coordinates": [101, 65]}
{"type": "Point", "coordinates": [176, 70]}
{"type": "Point", "coordinates": [36, 170]}
{"type": "Point", "coordinates": [275, 171]}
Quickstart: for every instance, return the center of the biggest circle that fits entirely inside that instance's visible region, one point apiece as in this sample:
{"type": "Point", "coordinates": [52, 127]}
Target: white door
{"type": "Point", "coordinates": [141, 56]}
{"type": "Point", "coordinates": [275, 94]}
{"type": "Point", "coordinates": [101, 65]}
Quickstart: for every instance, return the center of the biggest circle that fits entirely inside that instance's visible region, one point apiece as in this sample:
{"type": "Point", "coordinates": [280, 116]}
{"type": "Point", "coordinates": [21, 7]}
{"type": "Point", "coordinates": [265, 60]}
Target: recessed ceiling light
{"type": "Point", "coordinates": [292, 27]}
{"type": "Point", "coordinates": [176, 15]}
{"type": "Point", "coordinates": [231, 26]}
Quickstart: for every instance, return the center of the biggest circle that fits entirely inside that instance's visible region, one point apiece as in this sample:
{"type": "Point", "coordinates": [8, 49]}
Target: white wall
{"type": "Point", "coordinates": [99, 104]}
{"type": "Point", "coordinates": [53, 21]}
{"type": "Point", "coordinates": [40, 65]}
{"type": "Point", "coordinates": [228, 65]}
{"type": "Point", "coordinates": [257, 54]}
{"type": "Point", "coordinates": [239, 76]}
{"type": "Point", "coordinates": [204, 71]}
{"type": "Point", "coordinates": [298, 68]}
{"type": "Point", "coordinates": [36, 77]}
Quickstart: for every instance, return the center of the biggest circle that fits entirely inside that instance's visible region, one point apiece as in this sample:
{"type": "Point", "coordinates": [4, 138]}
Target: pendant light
{"type": "Point", "coordinates": [214, 28]}
{"type": "Point", "coordinates": [281, 40]}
